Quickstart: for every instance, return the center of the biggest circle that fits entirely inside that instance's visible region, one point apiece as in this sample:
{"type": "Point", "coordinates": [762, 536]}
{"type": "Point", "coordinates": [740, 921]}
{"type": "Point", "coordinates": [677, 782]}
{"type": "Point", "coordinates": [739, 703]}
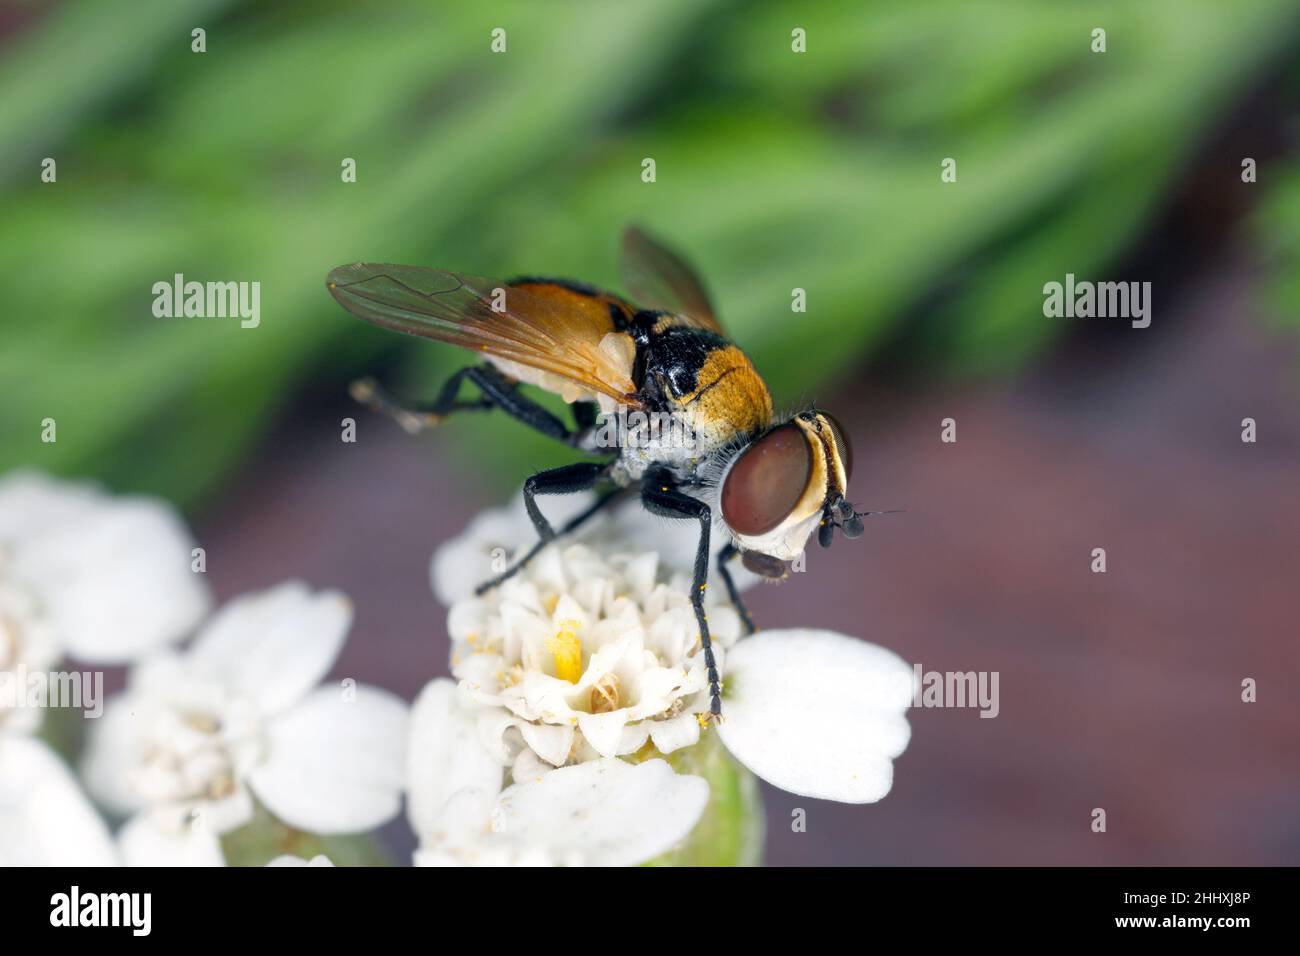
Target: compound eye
{"type": "Point", "coordinates": [767, 481]}
{"type": "Point", "coordinates": [841, 443]}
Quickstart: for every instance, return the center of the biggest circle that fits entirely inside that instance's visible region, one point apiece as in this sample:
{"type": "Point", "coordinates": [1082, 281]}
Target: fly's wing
{"type": "Point", "coordinates": [657, 278]}
{"type": "Point", "coordinates": [540, 325]}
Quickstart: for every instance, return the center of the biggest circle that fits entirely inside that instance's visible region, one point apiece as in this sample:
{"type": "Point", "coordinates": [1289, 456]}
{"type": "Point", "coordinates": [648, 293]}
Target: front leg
{"type": "Point", "coordinates": [661, 498]}
{"type": "Point", "coordinates": [565, 480]}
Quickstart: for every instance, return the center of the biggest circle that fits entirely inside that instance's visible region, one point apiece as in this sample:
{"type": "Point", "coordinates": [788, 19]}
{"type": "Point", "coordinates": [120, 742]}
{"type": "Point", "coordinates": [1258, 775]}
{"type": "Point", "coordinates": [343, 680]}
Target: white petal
{"type": "Point", "coordinates": [276, 645]}
{"type": "Point", "coordinates": [465, 817]}
{"type": "Point", "coordinates": [144, 843]}
{"type": "Point", "coordinates": [445, 755]}
{"type": "Point", "coordinates": [607, 812]}
{"type": "Point", "coordinates": [674, 733]}
{"type": "Point", "coordinates": [551, 742]}
{"type": "Point", "coordinates": [31, 503]}
{"type": "Point", "coordinates": [114, 574]}
{"type": "Point", "coordinates": [493, 723]}
{"type": "Point", "coordinates": [114, 746]}
{"type": "Point", "coordinates": [45, 819]}
{"type": "Point", "coordinates": [633, 738]}
{"type": "Point", "coordinates": [529, 767]}
{"type": "Point", "coordinates": [335, 765]}
{"type": "Point", "coordinates": [817, 713]}
{"type": "Point", "coordinates": [603, 731]}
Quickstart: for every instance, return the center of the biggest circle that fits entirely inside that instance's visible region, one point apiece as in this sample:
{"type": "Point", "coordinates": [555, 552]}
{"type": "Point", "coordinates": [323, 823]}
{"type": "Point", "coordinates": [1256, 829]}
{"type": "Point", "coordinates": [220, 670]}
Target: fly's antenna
{"type": "Point", "coordinates": [840, 514]}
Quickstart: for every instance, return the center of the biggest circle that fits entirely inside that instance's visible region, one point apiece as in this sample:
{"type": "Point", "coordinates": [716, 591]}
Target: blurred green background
{"type": "Point", "coordinates": [774, 170]}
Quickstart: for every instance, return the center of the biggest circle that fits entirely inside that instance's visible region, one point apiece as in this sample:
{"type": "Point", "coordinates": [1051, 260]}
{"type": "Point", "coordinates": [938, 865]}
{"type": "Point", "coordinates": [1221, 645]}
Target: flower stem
{"type": "Point", "coordinates": [265, 837]}
{"type": "Point", "coordinates": [731, 831]}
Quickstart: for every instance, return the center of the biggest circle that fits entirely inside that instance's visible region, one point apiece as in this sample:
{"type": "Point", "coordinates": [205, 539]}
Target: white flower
{"type": "Point", "coordinates": [590, 654]}
{"type": "Point", "coordinates": [605, 812]}
{"type": "Point", "coordinates": [104, 579]}
{"type": "Point", "coordinates": [199, 734]}
{"type": "Point", "coordinates": [45, 819]}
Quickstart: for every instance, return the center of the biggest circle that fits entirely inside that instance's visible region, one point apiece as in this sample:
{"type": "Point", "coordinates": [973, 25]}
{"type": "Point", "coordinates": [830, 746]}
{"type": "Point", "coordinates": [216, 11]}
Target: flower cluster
{"type": "Point", "coordinates": [574, 729]}
{"type": "Point", "coordinates": [200, 734]}
{"type": "Point", "coordinates": [88, 576]}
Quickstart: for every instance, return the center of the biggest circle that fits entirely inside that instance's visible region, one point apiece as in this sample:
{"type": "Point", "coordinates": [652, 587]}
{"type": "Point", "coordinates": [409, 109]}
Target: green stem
{"type": "Point", "coordinates": [732, 829]}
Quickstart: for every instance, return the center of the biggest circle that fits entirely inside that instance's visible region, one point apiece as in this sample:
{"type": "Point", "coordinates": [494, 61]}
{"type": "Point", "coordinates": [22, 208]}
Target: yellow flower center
{"type": "Point", "coordinates": [566, 648]}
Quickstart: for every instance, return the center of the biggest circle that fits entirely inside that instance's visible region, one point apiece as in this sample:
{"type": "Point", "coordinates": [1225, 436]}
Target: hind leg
{"type": "Point", "coordinates": [496, 390]}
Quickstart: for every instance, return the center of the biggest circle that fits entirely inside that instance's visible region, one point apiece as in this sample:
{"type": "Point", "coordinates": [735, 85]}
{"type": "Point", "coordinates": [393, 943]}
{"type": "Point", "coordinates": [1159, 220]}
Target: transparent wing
{"type": "Point", "coordinates": [657, 278]}
{"type": "Point", "coordinates": [538, 324]}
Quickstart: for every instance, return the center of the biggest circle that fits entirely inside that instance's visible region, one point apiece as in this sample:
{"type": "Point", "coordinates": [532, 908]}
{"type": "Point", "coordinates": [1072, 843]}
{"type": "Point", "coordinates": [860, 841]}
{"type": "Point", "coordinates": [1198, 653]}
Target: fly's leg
{"type": "Point", "coordinates": [724, 556]}
{"type": "Point", "coordinates": [496, 391]}
{"type": "Point", "coordinates": [585, 415]}
{"type": "Point", "coordinates": [565, 480]}
{"type": "Point", "coordinates": [418, 417]}
{"type": "Point", "coordinates": [572, 524]}
{"type": "Point", "coordinates": [661, 498]}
